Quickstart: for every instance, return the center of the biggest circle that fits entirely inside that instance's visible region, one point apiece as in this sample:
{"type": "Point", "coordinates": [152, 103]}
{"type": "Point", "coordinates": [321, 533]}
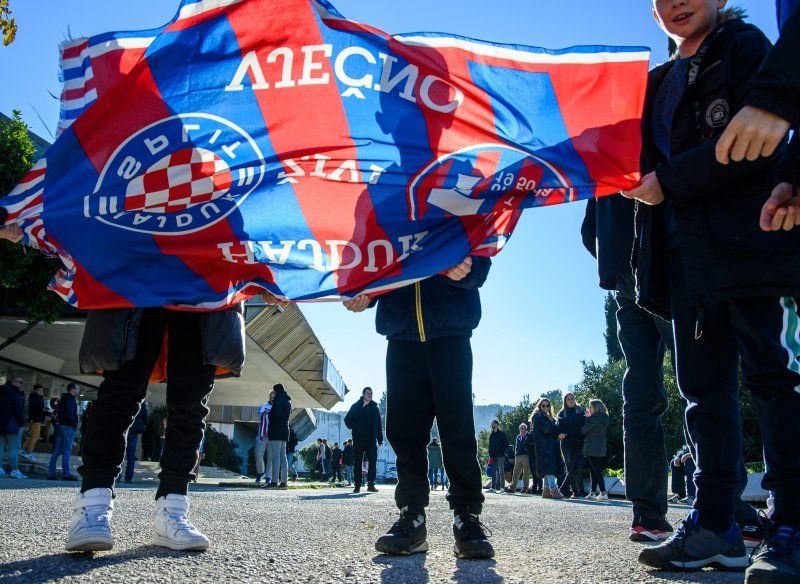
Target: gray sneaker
{"type": "Point", "coordinates": [692, 548]}
{"type": "Point", "coordinates": [777, 561]}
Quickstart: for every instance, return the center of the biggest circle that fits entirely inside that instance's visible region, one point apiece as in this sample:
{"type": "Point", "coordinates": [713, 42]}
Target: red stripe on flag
{"type": "Point", "coordinates": [310, 119]}
{"type": "Point", "coordinates": [74, 51]}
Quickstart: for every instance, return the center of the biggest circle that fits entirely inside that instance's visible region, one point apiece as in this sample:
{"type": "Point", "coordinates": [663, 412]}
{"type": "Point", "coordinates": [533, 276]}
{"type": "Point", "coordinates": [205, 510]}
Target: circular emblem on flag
{"type": "Point", "coordinates": [178, 175]}
{"type": "Point", "coordinates": [481, 179]}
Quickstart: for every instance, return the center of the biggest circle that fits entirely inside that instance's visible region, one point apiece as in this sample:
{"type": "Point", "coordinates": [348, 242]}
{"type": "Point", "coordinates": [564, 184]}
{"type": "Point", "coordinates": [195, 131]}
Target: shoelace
{"type": "Point", "coordinates": [781, 540]}
{"type": "Point", "coordinates": [404, 525]}
{"type": "Point", "coordinates": [97, 514]}
{"type": "Point", "coordinates": [473, 528]}
{"type": "Point", "coordinates": [180, 520]}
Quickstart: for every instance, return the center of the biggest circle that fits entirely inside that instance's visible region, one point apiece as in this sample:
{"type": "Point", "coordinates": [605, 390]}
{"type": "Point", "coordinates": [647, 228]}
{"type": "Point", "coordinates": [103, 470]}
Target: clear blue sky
{"type": "Point", "coordinates": [542, 309]}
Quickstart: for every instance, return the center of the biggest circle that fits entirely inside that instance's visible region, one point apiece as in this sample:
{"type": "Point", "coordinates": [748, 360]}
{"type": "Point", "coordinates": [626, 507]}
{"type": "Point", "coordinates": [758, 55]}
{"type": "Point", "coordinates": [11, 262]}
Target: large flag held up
{"type": "Point", "coordinates": [274, 144]}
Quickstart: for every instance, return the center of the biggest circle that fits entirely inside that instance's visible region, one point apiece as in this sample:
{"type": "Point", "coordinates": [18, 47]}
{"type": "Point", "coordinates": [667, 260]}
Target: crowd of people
{"type": "Point", "coordinates": [552, 451]}
{"type": "Point", "coordinates": [704, 259]}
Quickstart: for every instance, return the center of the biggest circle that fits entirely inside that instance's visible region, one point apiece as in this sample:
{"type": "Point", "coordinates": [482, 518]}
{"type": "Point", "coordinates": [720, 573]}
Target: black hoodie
{"type": "Point", "coordinates": [364, 421]}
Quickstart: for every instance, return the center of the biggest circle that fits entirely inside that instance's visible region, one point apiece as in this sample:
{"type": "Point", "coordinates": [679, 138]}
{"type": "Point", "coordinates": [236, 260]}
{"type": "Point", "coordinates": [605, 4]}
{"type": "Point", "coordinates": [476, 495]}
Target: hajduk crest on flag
{"type": "Point", "coordinates": [263, 144]}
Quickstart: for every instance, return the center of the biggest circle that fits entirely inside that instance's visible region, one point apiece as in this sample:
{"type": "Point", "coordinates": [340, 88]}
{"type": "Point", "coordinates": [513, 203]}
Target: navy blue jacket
{"type": "Point", "coordinates": [607, 233]}
{"type": "Point", "coordinates": [521, 444]}
{"type": "Point", "coordinates": [68, 410]}
{"type": "Point", "coordinates": [348, 456]}
{"type": "Point", "coordinates": [12, 409]}
{"type": "Point", "coordinates": [723, 252]}
{"type": "Point", "coordinates": [433, 308]}
{"type": "Point", "coordinates": [548, 451]}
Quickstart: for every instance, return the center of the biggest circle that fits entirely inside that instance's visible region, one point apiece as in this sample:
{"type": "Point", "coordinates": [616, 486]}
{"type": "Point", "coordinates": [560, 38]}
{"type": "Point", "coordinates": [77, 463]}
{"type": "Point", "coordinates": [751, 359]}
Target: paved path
{"type": "Point", "coordinates": [323, 535]}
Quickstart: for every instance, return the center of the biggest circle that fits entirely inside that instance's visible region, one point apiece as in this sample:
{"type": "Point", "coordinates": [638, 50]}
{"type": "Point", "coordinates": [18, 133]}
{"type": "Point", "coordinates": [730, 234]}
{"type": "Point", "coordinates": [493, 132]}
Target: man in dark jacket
{"type": "Point", "coordinates": [364, 420]}
{"type": "Point", "coordinates": [278, 436]}
{"type": "Point", "coordinates": [498, 442]}
{"type": "Point", "coordinates": [35, 419]}
{"type": "Point", "coordinates": [67, 428]}
{"type": "Point", "coordinates": [336, 464]}
{"type": "Point", "coordinates": [139, 427]}
{"type": "Point", "coordinates": [608, 234]}
{"type": "Point", "coordinates": [12, 418]}
{"type": "Point", "coordinates": [429, 375]}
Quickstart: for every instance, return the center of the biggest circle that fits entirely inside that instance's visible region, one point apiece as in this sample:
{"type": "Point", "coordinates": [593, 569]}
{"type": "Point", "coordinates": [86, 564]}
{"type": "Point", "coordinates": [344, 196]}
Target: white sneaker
{"type": "Point", "coordinates": [3, 474]}
{"type": "Point", "coordinates": [602, 497]}
{"type": "Point", "coordinates": [173, 529]}
{"type": "Point", "coordinates": [90, 526]}
{"type": "Point", "coordinates": [27, 456]}
{"type": "Point", "coordinates": [590, 497]}
{"type": "Point", "coordinates": [15, 474]}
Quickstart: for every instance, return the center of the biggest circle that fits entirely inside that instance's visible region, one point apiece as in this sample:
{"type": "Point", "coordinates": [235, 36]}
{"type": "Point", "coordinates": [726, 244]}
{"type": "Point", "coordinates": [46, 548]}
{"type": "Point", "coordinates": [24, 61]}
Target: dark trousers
{"type": "Point", "coordinates": [189, 384]}
{"type": "Point", "coordinates": [426, 381]}
{"type": "Point", "coordinates": [643, 338]}
{"type": "Point", "coordinates": [683, 479]}
{"type": "Point", "coordinates": [336, 472]}
{"type": "Point", "coordinates": [762, 333]}
{"type": "Point", "coordinates": [370, 448]}
{"type": "Point", "coordinates": [596, 470]}
{"type": "Point", "coordinates": [572, 450]}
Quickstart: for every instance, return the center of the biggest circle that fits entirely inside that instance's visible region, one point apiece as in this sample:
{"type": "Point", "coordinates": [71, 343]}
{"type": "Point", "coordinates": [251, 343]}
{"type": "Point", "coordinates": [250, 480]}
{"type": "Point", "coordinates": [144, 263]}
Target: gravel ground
{"type": "Point", "coordinates": [324, 535]}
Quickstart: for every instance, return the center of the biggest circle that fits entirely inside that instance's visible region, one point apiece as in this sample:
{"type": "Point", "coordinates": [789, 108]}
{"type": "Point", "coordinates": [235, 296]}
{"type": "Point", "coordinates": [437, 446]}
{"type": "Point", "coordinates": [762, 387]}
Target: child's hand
{"type": "Point", "coordinates": [782, 209]}
{"type": "Point", "coordinates": [753, 132]}
{"type": "Point", "coordinates": [357, 304]}
{"type": "Point", "coordinates": [588, 412]}
{"type": "Point", "coordinates": [12, 233]}
{"type": "Point", "coordinates": [270, 298]}
{"type": "Point", "coordinates": [648, 192]}
{"type": "Point", "coordinates": [460, 271]}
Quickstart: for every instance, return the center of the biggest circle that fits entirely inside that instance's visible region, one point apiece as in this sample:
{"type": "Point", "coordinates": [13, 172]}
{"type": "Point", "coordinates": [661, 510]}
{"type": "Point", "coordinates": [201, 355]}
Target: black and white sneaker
{"type": "Point", "coordinates": [752, 533]}
{"type": "Point", "coordinates": [692, 548]}
{"type": "Point", "coordinates": [407, 536]}
{"type": "Point", "coordinates": [646, 529]}
{"type": "Point", "coordinates": [777, 561]}
{"type": "Point", "coordinates": [471, 538]}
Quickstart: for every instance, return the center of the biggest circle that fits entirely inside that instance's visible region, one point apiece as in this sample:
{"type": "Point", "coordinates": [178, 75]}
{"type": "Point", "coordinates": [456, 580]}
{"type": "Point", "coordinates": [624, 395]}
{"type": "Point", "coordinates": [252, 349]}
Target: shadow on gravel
{"type": "Point", "coordinates": [402, 568]}
{"type": "Point", "coordinates": [53, 566]}
{"type": "Point", "coordinates": [477, 571]}
{"type": "Point", "coordinates": [347, 495]}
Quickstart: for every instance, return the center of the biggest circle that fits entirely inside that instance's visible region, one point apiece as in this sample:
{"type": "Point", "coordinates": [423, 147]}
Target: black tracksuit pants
{"type": "Point", "coordinates": [763, 332]}
{"type": "Point", "coordinates": [189, 383]}
{"type": "Point", "coordinates": [370, 449]}
{"type": "Point", "coordinates": [426, 381]}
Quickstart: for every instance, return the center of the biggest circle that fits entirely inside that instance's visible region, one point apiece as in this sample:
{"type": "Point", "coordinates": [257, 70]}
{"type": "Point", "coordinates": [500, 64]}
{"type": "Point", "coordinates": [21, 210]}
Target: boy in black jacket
{"type": "Point", "coordinates": [730, 289]}
{"type": "Point", "coordinates": [429, 375]}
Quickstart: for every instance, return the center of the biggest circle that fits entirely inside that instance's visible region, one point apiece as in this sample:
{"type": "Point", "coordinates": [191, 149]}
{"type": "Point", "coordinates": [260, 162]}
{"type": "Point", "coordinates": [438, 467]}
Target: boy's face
{"type": "Point", "coordinates": [687, 20]}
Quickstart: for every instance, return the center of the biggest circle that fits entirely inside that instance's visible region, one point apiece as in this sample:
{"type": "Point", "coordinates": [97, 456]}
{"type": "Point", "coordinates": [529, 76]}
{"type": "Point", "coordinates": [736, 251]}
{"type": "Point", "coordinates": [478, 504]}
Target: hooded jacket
{"type": "Point", "coordinates": [724, 254]}
{"type": "Point", "coordinates": [595, 432]}
{"type": "Point", "coordinates": [364, 421]}
{"type": "Point", "coordinates": [279, 415]}
{"type": "Point", "coordinates": [12, 409]}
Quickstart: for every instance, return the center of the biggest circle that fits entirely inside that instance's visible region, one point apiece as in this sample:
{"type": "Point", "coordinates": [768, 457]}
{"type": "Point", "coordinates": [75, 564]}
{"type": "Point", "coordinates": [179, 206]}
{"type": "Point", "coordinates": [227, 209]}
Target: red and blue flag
{"type": "Point", "coordinates": [274, 144]}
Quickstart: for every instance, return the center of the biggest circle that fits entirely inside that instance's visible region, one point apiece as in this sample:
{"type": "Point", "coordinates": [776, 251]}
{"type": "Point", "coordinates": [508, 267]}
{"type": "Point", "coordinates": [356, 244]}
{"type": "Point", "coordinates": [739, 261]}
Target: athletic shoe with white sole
{"type": "Point", "coordinates": [90, 526]}
{"type": "Point", "coordinates": [15, 474]}
{"type": "Point", "coordinates": [692, 548]}
{"type": "Point", "coordinates": [647, 529]}
{"type": "Point", "coordinates": [173, 529]}
{"type": "Point", "coordinates": [777, 561]}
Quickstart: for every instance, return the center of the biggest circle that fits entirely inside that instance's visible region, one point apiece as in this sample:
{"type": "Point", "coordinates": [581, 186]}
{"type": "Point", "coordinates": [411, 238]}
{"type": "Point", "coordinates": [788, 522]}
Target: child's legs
{"type": "Point", "coordinates": [596, 468]}
{"type": "Point", "coordinates": [767, 332]}
{"type": "Point", "coordinates": [449, 362]}
{"type": "Point", "coordinates": [409, 418]}
{"type": "Point", "coordinates": [707, 371]}
{"type": "Point", "coordinates": [116, 406]}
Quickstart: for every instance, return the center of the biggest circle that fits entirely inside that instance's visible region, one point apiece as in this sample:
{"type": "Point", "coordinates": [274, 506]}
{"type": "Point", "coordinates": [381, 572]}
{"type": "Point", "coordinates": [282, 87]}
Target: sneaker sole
{"type": "Point", "coordinates": [718, 562]}
{"type": "Point", "coordinates": [186, 546]}
{"type": "Point", "coordinates": [89, 544]}
{"type": "Point", "coordinates": [473, 555]}
{"type": "Point", "coordinates": [419, 548]}
{"type": "Point", "coordinates": [649, 535]}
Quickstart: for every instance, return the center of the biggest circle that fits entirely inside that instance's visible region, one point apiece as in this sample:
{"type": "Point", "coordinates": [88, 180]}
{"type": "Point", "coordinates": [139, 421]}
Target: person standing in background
{"type": "Point", "coordinates": [12, 408]}
{"type": "Point", "coordinates": [67, 428]}
{"type": "Point", "coordinates": [35, 419]}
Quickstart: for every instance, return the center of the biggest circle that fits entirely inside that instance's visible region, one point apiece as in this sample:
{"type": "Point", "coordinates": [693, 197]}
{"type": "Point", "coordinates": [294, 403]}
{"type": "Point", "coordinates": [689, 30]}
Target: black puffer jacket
{"type": "Point", "coordinates": [570, 421]}
{"type": "Point", "coordinates": [111, 335]}
{"type": "Point", "coordinates": [433, 308]}
{"type": "Point", "coordinates": [723, 251]}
